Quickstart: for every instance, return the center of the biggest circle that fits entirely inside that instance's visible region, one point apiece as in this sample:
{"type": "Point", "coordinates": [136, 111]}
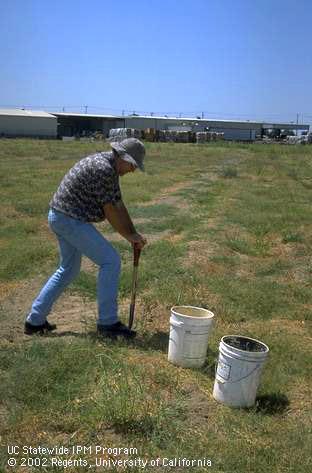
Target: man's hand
{"type": "Point", "coordinates": [137, 240]}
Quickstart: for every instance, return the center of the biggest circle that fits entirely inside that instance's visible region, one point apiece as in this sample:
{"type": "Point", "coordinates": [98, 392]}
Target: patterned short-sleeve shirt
{"type": "Point", "coordinates": [88, 185]}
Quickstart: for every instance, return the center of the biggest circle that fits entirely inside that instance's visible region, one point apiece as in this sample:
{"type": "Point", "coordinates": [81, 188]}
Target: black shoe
{"type": "Point", "coordinates": [30, 329]}
{"type": "Point", "coordinates": [115, 330]}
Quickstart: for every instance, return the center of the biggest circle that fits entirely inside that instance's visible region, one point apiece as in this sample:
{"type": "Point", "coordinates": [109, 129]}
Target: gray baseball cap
{"type": "Point", "coordinates": [131, 150]}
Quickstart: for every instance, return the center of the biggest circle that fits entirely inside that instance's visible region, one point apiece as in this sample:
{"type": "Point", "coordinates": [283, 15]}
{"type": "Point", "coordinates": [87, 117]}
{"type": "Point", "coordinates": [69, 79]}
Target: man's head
{"type": "Point", "coordinates": [122, 166]}
{"type": "Point", "coordinates": [130, 155]}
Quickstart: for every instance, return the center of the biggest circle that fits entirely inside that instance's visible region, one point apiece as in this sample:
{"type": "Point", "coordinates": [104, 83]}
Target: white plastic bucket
{"type": "Point", "coordinates": [240, 364]}
{"type": "Point", "coordinates": [189, 331]}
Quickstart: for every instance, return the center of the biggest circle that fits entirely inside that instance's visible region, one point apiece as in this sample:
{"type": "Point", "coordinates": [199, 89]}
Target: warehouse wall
{"type": "Point", "coordinates": [28, 126]}
{"type": "Point", "coordinates": [218, 125]}
{"type": "Point", "coordinates": [245, 131]}
{"type": "Point", "coordinates": [237, 133]}
{"type": "Point", "coordinates": [141, 123]}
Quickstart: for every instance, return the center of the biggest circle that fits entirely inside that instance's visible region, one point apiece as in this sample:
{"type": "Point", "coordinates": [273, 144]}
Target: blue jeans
{"type": "Point", "coordinates": [77, 238]}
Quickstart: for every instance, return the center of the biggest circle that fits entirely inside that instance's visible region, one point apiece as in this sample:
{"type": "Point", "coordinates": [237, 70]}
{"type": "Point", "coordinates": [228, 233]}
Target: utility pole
{"type": "Point", "coordinates": [202, 115]}
{"type": "Point", "coordinates": [297, 123]}
{"type": "Point", "coordinates": [86, 108]}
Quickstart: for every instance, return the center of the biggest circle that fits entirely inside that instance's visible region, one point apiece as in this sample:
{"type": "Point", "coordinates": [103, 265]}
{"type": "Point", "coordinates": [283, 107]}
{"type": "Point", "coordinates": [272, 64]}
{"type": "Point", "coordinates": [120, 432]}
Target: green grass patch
{"type": "Point", "coordinates": [153, 211]}
{"type": "Point", "coordinates": [45, 379]}
{"type": "Point", "coordinates": [229, 172]}
{"type": "Point", "coordinates": [246, 247]}
{"type": "Point", "coordinates": [85, 284]}
{"type": "Point", "coordinates": [294, 237]}
{"type": "Point", "coordinates": [20, 255]}
{"type": "Point", "coordinates": [132, 406]}
{"type": "Point", "coordinates": [275, 268]}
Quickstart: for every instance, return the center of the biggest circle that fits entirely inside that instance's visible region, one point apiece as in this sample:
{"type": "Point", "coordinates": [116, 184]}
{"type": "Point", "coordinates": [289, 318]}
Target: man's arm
{"type": "Point", "coordinates": [119, 218]}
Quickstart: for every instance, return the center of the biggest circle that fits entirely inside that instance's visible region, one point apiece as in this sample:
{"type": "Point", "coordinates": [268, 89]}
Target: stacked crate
{"type": "Point", "coordinates": [183, 136]}
{"type": "Point", "coordinates": [170, 136]}
{"type": "Point", "coordinates": [150, 134]}
{"type": "Point", "coordinates": [135, 133]}
{"type": "Point", "coordinates": [201, 137]}
{"type": "Point", "coordinates": [206, 136]}
{"type": "Point", "coordinates": [161, 136]}
{"type": "Point", "coordinates": [119, 134]}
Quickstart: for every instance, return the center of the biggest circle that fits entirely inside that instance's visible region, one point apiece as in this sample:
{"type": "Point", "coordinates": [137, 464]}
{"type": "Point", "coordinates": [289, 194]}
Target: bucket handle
{"type": "Point", "coordinates": [237, 380]}
{"type": "Point", "coordinates": [177, 324]}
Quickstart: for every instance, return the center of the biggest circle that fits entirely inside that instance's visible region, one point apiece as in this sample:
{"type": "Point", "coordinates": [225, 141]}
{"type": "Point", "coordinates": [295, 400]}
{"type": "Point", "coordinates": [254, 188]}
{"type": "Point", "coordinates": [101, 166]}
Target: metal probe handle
{"type": "Point", "coordinates": [136, 257]}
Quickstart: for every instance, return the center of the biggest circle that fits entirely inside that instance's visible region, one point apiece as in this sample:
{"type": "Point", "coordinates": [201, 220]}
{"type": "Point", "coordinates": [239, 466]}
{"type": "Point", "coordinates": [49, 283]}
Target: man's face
{"type": "Point", "coordinates": [123, 167]}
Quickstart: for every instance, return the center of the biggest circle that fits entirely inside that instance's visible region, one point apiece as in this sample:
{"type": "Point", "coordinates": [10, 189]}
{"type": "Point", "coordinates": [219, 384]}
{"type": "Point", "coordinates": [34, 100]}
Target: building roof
{"type": "Point", "coordinates": [20, 112]}
{"type": "Point", "coordinates": [223, 121]}
{"type": "Point", "coordinates": [292, 126]}
{"type": "Point", "coordinates": [194, 119]}
{"type": "Point", "coordinates": [83, 115]}
{"type": "Point", "coordinates": [153, 117]}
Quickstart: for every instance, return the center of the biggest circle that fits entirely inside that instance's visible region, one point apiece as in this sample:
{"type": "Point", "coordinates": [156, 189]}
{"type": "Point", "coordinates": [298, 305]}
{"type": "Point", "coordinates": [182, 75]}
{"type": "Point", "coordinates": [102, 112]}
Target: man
{"type": "Point", "coordinates": [88, 193]}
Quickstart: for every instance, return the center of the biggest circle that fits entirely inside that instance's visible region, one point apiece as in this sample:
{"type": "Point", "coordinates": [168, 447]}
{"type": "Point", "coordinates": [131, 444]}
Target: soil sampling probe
{"type": "Point", "coordinates": [136, 257]}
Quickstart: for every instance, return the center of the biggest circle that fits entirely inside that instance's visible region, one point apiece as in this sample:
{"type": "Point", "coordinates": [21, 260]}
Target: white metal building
{"type": "Point", "coordinates": [32, 123]}
{"type": "Point", "coordinates": [21, 122]}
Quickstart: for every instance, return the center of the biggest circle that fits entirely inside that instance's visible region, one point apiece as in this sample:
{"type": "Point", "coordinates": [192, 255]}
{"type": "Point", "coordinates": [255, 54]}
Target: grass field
{"type": "Point", "coordinates": [229, 229]}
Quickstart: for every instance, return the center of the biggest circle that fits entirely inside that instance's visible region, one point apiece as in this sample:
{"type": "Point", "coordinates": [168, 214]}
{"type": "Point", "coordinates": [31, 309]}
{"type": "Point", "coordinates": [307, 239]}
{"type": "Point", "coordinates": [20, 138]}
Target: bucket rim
{"type": "Point", "coordinates": [210, 315]}
{"type": "Point", "coordinates": [267, 349]}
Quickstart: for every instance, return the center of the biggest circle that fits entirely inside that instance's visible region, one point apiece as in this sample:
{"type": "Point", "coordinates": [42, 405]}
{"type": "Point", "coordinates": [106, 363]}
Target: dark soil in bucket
{"type": "Point", "coordinates": [244, 343]}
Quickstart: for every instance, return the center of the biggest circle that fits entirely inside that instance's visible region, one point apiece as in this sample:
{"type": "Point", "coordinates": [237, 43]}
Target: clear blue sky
{"type": "Point", "coordinates": [248, 59]}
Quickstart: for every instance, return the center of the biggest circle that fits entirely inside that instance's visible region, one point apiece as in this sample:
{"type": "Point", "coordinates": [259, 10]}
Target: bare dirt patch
{"type": "Point", "coordinates": [9, 211]}
{"type": "Point", "coordinates": [6, 288]}
{"type": "Point", "coordinates": [175, 237]}
{"type": "Point", "coordinates": [72, 313]}
{"type": "Point", "coordinates": [140, 221]}
{"type": "Point", "coordinates": [14, 306]}
{"type": "Point", "coordinates": [199, 252]}
{"type": "Point", "coordinates": [88, 266]}
{"type": "Point", "coordinates": [152, 318]}
{"type": "Point", "coordinates": [299, 407]}
{"type": "Point", "coordinates": [200, 406]}
{"type": "Point", "coordinates": [151, 237]}
{"type": "Point", "coordinates": [171, 200]}
{"type": "Point", "coordinates": [166, 196]}
{"type": "Point", "coordinates": [277, 326]}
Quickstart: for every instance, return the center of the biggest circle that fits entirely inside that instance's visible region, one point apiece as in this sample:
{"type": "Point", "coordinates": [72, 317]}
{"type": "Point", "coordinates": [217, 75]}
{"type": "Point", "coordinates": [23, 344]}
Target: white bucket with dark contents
{"type": "Point", "coordinates": [189, 330]}
{"type": "Point", "coordinates": [240, 364]}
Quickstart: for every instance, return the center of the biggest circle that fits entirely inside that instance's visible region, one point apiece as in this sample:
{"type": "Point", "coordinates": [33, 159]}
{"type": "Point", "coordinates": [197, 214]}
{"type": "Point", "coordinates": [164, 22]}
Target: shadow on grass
{"type": "Point", "coordinates": [271, 404]}
{"type": "Point", "coordinates": [69, 333]}
{"type": "Point", "coordinates": [210, 365]}
{"type": "Point", "coordinates": [157, 341]}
